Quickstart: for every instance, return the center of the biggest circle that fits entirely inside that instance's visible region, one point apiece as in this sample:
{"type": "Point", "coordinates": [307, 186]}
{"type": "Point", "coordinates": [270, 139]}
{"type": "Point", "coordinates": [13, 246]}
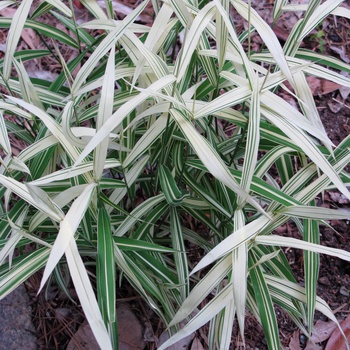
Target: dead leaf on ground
{"type": "Point", "coordinates": [121, 9]}
{"type": "Point", "coordinates": [196, 344]}
{"type": "Point", "coordinates": [7, 12]}
{"type": "Point", "coordinates": [341, 52]}
{"type": "Point", "coordinates": [181, 344]}
{"type": "Point", "coordinates": [294, 343]}
{"type": "Point", "coordinates": [344, 90]}
{"type": "Point", "coordinates": [31, 39]}
{"type": "Point", "coordinates": [338, 197]}
{"type": "Point", "coordinates": [314, 346]}
{"type": "Point", "coordinates": [335, 104]}
{"type": "Point", "coordinates": [281, 33]}
{"type": "Point", "coordinates": [28, 34]}
{"type": "Point", "coordinates": [318, 86]}
{"type": "Point", "coordinates": [130, 333]}
{"type": "Point", "coordinates": [322, 331]}
{"type": "Point", "coordinates": [321, 86]}
{"type": "Point", "coordinates": [336, 341]}
{"type": "Point", "coordinates": [83, 339]}
{"type": "Point", "coordinates": [127, 321]}
{"type": "Point", "coordinates": [42, 74]}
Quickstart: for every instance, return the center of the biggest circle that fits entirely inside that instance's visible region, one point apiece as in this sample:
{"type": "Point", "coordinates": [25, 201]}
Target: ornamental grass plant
{"type": "Point", "coordinates": [131, 139]}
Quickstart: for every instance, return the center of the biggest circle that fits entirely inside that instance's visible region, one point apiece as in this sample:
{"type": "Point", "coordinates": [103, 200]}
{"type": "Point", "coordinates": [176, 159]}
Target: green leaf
{"type": "Point", "coordinates": [106, 274]}
{"type": "Point", "coordinates": [172, 193]}
{"type": "Point", "coordinates": [265, 305]}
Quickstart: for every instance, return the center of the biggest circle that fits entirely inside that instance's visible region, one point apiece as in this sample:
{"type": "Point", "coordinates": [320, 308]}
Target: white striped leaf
{"type": "Point", "coordinates": [22, 270]}
{"type": "Point", "coordinates": [298, 292]}
{"type": "Point", "coordinates": [17, 25]}
{"type": "Point", "coordinates": [180, 258]}
{"type": "Point", "coordinates": [240, 273]}
{"type": "Point", "coordinates": [86, 294]}
{"type": "Point", "coordinates": [298, 244]}
{"type": "Point", "coordinates": [173, 195]}
{"type": "Point", "coordinates": [249, 231]}
{"type": "Point", "coordinates": [59, 5]}
{"type": "Point", "coordinates": [6, 3]}
{"type": "Point", "coordinates": [252, 142]}
{"type": "Point", "coordinates": [4, 140]}
{"type": "Point", "coordinates": [269, 37]}
{"type": "Point", "coordinates": [104, 46]}
{"type": "Point", "coordinates": [94, 8]}
{"type": "Point", "coordinates": [130, 178]}
{"type": "Point", "coordinates": [68, 227]}
{"type": "Point", "coordinates": [61, 200]}
{"type": "Point", "coordinates": [316, 213]}
{"type": "Point", "coordinates": [117, 118]}
{"type": "Point", "coordinates": [22, 191]}
{"type": "Point", "coordinates": [210, 158]}
{"type": "Point", "coordinates": [137, 214]}
{"type": "Point", "coordinates": [70, 172]}
{"type": "Point", "coordinates": [191, 39]}
{"type": "Point", "coordinates": [203, 316]}
{"type": "Point", "coordinates": [311, 268]}
{"type": "Point", "coordinates": [105, 110]}
{"type": "Point", "coordinates": [51, 124]}
{"type": "Point", "coordinates": [29, 93]}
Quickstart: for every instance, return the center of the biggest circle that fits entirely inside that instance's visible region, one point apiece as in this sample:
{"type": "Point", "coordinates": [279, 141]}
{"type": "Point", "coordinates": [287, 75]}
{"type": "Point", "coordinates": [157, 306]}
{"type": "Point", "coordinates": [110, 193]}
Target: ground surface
{"type": "Point", "coordinates": [57, 319]}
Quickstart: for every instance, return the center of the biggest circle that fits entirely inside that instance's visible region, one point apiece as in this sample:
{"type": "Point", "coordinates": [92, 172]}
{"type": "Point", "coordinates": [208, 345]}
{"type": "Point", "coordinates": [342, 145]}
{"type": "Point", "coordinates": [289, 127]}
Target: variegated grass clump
{"type": "Point", "coordinates": [137, 122]}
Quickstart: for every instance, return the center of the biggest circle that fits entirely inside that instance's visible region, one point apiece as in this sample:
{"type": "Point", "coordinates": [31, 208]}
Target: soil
{"type": "Point", "coordinates": [57, 318]}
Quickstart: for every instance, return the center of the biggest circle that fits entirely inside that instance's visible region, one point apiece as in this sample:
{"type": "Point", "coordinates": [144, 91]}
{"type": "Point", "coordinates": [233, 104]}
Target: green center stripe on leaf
{"type": "Point", "coordinates": [173, 195]}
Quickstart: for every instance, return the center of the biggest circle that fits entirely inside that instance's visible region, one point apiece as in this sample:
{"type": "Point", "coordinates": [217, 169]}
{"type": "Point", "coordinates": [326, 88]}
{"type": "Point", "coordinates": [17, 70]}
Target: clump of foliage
{"type": "Point", "coordinates": [140, 121]}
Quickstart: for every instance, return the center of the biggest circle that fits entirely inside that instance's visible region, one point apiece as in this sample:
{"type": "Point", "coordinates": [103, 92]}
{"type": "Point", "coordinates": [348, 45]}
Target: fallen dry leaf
{"type": "Point", "coordinates": [341, 52]}
{"type": "Point", "coordinates": [181, 344]}
{"type": "Point", "coordinates": [83, 339]}
{"type": "Point", "coordinates": [294, 343]}
{"type": "Point", "coordinates": [344, 90]}
{"type": "Point", "coordinates": [28, 35]}
{"type": "Point", "coordinates": [336, 341]}
{"type": "Point", "coordinates": [321, 86]}
{"type": "Point", "coordinates": [318, 86]}
{"type": "Point", "coordinates": [311, 346]}
{"type": "Point", "coordinates": [7, 12]}
{"type": "Point", "coordinates": [42, 74]}
{"type": "Point", "coordinates": [196, 344]}
{"type": "Point", "coordinates": [335, 104]}
{"type": "Point", "coordinates": [322, 331]}
{"type": "Point", "coordinates": [127, 321]}
{"type": "Point", "coordinates": [339, 198]}
{"type": "Point", "coordinates": [281, 33]}
{"type": "Point", "coordinates": [121, 9]}
{"type": "Point", "coordinates": [31, 39]}
{"type": "Point", "coordinates": [130, 333]}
